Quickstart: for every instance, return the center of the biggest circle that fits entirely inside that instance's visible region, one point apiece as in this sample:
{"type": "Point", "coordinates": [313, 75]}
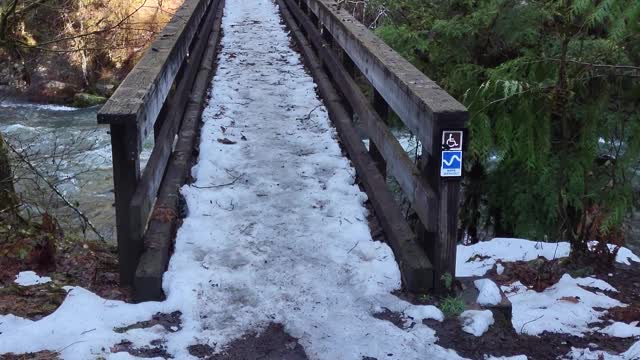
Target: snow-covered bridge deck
{"type": "Point", "coordinates": [272, 220]}
{"type": "Point", "coordinates": [261, 86]}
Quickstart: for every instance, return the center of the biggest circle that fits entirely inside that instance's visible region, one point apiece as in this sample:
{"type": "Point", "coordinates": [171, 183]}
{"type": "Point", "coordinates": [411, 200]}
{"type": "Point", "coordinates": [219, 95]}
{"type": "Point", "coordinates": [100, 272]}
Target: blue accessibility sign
{"type": "Point", "coordinates": [451, 164]}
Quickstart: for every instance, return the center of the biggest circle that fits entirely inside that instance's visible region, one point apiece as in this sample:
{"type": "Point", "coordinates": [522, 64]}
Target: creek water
{"type": "Point", "coordinates": [69, 149]}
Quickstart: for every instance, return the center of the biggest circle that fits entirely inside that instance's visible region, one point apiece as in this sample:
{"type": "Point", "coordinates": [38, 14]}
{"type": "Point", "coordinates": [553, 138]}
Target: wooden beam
{"type": "Point", "coordinates": [149, 183]}
{"type": "Point", "coordinates": [443, 240]}
{"type": "Point", "coordinates": [159, 236]}
{"type": "Point", "coordinates": [382, 109]}
{"type": "Point", "coordinates": [140, 97]}
{"type": "Point", "coordinates": [414, 265]}
{"type": "Point", "coordinates": [126, 172]}
{"type": "Point", "coordinates": [417, 100]}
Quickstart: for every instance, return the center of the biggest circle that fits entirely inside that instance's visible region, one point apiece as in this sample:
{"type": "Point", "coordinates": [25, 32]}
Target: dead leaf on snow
{"type": "Point", "coordinates": [571, 299]}
{"type": "Point", "coordinates": [226, 141]}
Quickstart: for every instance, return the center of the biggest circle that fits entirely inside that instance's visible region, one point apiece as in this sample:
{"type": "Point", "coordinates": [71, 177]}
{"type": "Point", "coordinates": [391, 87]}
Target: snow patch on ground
{"type": "Point", "coordinates": [423, 312]}
{"type": "Point", "coordinates": [595, 283]}
{"type": "Point", "coordinates": [476, 322]}
{"type": "Point", "coordinates": [477, 259]}
{"type": "Point", "coordinates": [489, 292]}
{"type": "Point", "coordinates": [556, 309]}
{"type": "Point", "coordinates": [586, 354]}
{"type": "Point", "coordinates": [622, 330]}
{"type": "Point", "coordinates": [30, 278]}
{"type": "Point", "coordinates": [83, 317]}
{"type": "Point", "coordinates": [625, 256]}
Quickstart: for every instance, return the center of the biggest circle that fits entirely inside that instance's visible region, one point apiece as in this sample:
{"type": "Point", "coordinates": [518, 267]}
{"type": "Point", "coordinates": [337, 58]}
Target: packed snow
{"type": "Point", "coordinates": [476, 322]}
{"type": "Point", "coordinates": [489, 292]}
{"type": "Point", "coordinates": [30, 278]}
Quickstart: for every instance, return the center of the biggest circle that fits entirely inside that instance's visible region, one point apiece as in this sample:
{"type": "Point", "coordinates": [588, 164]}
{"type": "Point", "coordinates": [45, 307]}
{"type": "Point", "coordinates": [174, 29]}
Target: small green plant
{"type": "Point", "coordinates": [447, 278]}
{"type": "Point", "coordinates": [452, 306]}
{"type": "Point", "coordinates": [424, 298]}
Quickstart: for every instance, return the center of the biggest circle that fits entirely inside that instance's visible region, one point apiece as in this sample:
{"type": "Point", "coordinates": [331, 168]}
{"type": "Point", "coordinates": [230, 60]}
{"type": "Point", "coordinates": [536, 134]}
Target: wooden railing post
{"type": "Point", "coordinates": [382, 108]}
{"type": "Point", "coordinates": [137, 108]}
{"type": "Point", "coordinates": [326, 36]}
{"type": "Point", "coordinates": [126, 172]}
{"type": "Point", "coordinates": [446, 182]}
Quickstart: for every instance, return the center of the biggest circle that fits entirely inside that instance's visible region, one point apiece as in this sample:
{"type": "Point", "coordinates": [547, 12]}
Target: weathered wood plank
{"type": "Point", "coordinates": [414, 186]}
{"type": "Point", "coordinates": [160, 233]}
{"type": "Point", "coordinates": [142, 94]}
{"type": "Point", "coordinates": [417, 100]}
{"type": "Point", "coordinates": [414, 265]}
{"type": "Point", "coordinates": [126, 171]}
{"type": "Point", "coordinates": [382, 109]}
{"type": "Point", "coordinates": [444, 238]}
{"type": "Point", "coordinates": [149, 183]}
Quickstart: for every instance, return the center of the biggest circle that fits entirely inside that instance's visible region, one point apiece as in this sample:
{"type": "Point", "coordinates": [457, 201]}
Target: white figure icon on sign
{"type": "Point", "coordinates": [451, 142]}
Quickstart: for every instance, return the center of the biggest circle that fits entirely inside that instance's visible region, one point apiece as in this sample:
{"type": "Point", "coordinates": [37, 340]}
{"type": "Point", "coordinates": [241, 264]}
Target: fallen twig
{"type": "Point", "coordinates": [354, 246]}
{"type": "Point", "coordinates": [308, 117]}
{"type": "Point", "coordinates": [232, 206]}
{"type": "Point", "coordinates": [87, 331]}
{"type": "Point", "coordinates": [235, 180]}
{"type": "Point", "coordinates": [530, 321]}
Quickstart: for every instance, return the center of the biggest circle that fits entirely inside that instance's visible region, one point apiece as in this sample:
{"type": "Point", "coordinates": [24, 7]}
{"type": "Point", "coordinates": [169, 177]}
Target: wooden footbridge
{"type": "Point", "coordinates": [363, 83]}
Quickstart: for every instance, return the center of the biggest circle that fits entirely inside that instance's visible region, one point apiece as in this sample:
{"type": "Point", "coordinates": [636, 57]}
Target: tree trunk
{"type": "Point", "coordinates": [7, 191]}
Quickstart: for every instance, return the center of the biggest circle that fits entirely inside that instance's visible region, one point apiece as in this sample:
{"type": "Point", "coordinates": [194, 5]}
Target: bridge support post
{"type": "Point", "coordinates": [126, 172]}
{"type": "Point", "coordinates": [382, 108]}
{"type": "Point", "coordinates": [441, 245]}
{"type": "Point", "coordinates": [328, 38]}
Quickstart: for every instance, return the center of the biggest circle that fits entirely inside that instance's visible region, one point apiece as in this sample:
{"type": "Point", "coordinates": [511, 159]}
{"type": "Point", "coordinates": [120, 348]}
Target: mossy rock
{"type": "Point", "coordinates": [87, 100]}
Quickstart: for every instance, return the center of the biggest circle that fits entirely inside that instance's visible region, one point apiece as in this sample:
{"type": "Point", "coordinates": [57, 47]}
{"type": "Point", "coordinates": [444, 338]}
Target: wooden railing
{"type": "Point", "coordinates": [163, 94]}
{"type": "Point", "coordinates": [336, 47]}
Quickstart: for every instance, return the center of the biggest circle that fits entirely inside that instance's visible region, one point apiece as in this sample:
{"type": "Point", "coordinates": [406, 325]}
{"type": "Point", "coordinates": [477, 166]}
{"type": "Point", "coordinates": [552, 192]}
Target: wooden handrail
{"type": "Point", "coordinates": [421, 104]}
{"type": "Point", "coordinates": [143, 92]}
{"type": "Point", "coordinates": [143, 101]}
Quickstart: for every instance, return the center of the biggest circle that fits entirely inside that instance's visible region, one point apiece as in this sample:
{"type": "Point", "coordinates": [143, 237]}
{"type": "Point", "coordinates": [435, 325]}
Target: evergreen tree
{"type": "Point", "coordinates": [553, 88]}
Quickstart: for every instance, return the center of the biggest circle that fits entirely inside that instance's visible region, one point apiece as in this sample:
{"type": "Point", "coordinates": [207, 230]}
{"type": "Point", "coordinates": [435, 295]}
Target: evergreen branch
{"type": "Point", "coordinates": [595, 65]}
